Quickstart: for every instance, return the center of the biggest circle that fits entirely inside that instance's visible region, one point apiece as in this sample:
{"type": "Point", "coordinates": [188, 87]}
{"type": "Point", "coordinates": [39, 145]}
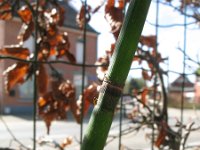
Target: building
{"type": "Point", "coordinates": [197, 86]}
{"type": "Point", "coordinates": [176, 88]}
{"type": "Point", "coordinates": [20, 99]}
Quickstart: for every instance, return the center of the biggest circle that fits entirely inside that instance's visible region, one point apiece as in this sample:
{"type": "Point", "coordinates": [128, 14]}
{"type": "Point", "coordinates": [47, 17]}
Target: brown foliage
{"type": "Point", "coordinates": [149, 41]}
{"type": "Point", "coordinates": [15, 51]}
{"type": "Point", "coordinates": [146, 76]}
{"type": "Point", "coordinates": [89, 97]}
{"type": "Point", "coordinates": [162, 134]}
{"type": "Point", "coordinates": [42, 79]}
{"type": "Point", "coordinates": [114, 16]}
{"type": "Point", "coordinates": [5, 10]}
{"type": "Point", "coordinates": [25, 31]}
{"type": "Point", "coordinates": [25, 14]}
{"type": "Point", "coordinates": [54, 104]}
{"type": "Point", "coordinates": [144, 94]}
{"type": "Point", "coordinates": [83, 16]}
{"type": "Point", "coordinates": [15, 74]}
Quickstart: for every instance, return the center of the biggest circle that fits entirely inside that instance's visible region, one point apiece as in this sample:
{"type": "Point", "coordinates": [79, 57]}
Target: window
{"type": "Point", "coordinates": [77, 79]}
{"type": "Point", "coordinates": [79, 51]}
{"type": "Point", "coordinates": [26, 90]}
{"type": "Point", "coordinates": [29, 43]}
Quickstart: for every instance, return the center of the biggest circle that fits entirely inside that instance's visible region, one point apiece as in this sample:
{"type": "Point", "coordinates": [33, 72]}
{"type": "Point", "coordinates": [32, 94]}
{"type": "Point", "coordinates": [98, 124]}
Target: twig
{"type": "Point", "coordinates": [170, 25]}
{"type": "Point", "coordinates": [51, 62]}
{"type": "Point", "coordinates": [12, 135]}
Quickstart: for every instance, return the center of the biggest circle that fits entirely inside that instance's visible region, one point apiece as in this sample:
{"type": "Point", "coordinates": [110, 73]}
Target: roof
{"type": "Point", "coordinates": [70, 17]}
{"type": "Point", "coordinates": [178, 83]}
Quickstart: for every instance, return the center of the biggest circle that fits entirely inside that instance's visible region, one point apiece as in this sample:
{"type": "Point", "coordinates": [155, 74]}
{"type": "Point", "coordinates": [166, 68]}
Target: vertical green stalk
{"type": "Point", "coordinates": [111, 89]}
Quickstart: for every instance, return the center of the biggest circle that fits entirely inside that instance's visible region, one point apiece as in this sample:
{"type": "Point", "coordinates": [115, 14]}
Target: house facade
{"type": "Point", "coordinates": [176, 88]}
{"type": "Point", "coordinates": [197, 89]}
{"type": "Point", "coordinates": [20, 99]}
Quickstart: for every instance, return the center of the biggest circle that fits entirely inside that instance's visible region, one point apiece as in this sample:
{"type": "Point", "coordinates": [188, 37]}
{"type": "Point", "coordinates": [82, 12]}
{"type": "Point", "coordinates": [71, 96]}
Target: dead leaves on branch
{"type": "Point", "coordinates": [114, 16]}
{"type": "Point", "coordinates": [149, 41]}
{"type": "Point", "coordinates": [191, 5]}
{"type": "Point", "coordinates": [102, 69]}
{"type": "Point", "coordinates": [50, 43]}
{"type": "Point", "coordinates": [25, 32]}
{"type": "Point", "coordinates": [89, 97]}
{"type": "Point", "coordinates": [85, 13]}
{"type": "Point", "coordinates": [103, 63]}
{"type": "Point", "coordinates": [54, 104]}
{"type": "Point", "coordinates": [83, 16]}
{"type": "Point", "coordinates": [42, 79]}
{"type": "Point", "coordinates": [60, 98]}
{"type": "Point", "coordinates": [46, 140]}
{"type": "Point", "coordinates": [15, 74]}
{"type": "Point", "coordinates": [15, 51]}
{"type": "Point", "coordinates": [148, 53]}
{"type": "Point", "coordinates": [25, 14]}
{"type": "Point", "coordinates": [163, 129]}
{"type": "Point", "coordinates": [18, 73]}
{"type": "Point", "coordinates": [5, 10]}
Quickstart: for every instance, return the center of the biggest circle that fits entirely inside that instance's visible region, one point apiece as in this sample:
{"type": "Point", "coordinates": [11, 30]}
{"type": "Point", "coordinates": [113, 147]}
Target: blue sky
{"type": "Point", "coordinates": [169, 39]}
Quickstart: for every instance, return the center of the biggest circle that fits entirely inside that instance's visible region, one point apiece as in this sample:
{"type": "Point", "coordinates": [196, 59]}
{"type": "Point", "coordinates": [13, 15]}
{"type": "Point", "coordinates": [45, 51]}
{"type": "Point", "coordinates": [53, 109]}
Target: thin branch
{"type": "Point", "coordinates": [52, 62]}
{"type": "Point", "coordinates": [171, 25]}
{"type": "Point", "coordinates": [12, 135]}
{"type": "Point", "coordinates": [179, 10]}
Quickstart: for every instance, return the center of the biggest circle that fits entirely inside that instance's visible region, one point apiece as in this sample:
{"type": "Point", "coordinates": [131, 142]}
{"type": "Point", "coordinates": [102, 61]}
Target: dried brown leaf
{"type": "Point", "coordinates": [25, 31]}
{"type": "Point", "coordinates": [149, 41]}
{"type": "Point", "coordinates": [45, 51]}
{"type": "Point", "coordinates": [61, 16]}
{"type": "Point", "coordinates": [145, 75]}
{"type": "Point", "coordinates": [15, 74]}
{"type": "Point", "coordinates": [144, 94]}
{"type": "Point", "coordinates": [25, 14]}
{"type": "Point", "coordinates": [114, 17]}
{"type": "Point", "coordinates": [89, 97]}
{"type": "Point", "coordinates": [83, 16]}
{"type": "Point", "coordinates": [102, 70]}
{"type": "Point", "coordinates": [5, 10]}
{"type": "Point", "coordinates": [70, 57]}
{"type": "Point", "coordinates": [42, 79]}
{"type": "Point", "coordinates": [66, 142]}
{"type": "Point", "coordinates": [51, 108]}
{"type": "Point", "coordinates": [162, 134]}
{"type": "Point", "coordinates": [110, 3]}
{"type": "Point", "coordinates": [15, 51]}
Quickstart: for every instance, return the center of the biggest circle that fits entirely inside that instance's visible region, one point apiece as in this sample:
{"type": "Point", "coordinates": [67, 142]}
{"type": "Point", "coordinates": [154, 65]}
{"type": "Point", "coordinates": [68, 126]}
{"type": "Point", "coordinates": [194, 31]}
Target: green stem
{"type": "Point", "coordinates": [102, 116]}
